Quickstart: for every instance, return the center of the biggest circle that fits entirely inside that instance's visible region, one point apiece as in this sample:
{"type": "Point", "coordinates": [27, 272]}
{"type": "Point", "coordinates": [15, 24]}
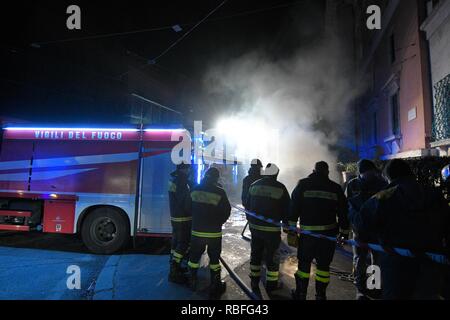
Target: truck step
{"type": "Point", "coordinates": [11, 227]}
{"type": "Point", "coordinates": [15, 213]}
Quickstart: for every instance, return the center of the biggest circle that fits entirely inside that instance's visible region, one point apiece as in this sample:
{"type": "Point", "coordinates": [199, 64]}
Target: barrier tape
{"type": "Point", "coordinates": [438, 258]}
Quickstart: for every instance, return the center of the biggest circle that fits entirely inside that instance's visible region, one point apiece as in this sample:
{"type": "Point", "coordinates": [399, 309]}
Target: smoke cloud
{"type": "Point", "coordinates": [305, 97]}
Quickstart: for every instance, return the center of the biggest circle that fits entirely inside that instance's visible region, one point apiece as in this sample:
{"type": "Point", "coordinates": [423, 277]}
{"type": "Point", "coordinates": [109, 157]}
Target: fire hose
{"type": "Point", "coordinates": [239, 281]}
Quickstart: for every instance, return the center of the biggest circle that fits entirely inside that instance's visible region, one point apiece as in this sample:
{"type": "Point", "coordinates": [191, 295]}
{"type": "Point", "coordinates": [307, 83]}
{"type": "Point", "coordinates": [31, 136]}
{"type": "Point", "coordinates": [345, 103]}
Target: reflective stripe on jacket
{"type": "Point", "coordinates": [320, 205]}
{"type": "Point", "coordinates": [269, 198]}
{"type": "Point", "coordinates": [210, 210]}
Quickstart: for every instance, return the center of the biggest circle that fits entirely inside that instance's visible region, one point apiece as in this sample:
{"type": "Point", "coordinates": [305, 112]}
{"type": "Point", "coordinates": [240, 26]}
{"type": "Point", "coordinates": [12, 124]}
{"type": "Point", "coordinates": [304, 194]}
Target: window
{"type": "Point", "coordinates": [392, 48]}
{"type": "Point", "coordinates": [395, 114]}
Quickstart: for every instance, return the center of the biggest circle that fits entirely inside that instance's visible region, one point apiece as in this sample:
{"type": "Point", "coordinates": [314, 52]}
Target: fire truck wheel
{"type": "Point", "coordinates": [105, 231]}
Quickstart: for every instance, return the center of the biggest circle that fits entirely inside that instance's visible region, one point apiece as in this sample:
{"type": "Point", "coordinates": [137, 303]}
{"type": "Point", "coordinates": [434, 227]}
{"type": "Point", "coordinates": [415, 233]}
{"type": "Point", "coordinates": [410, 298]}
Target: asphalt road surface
{"type": "Point", "coordinates": [35, 266]}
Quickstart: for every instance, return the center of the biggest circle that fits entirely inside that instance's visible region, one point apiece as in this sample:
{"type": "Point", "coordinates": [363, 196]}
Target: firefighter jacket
{"type": "Point", "coordinates": [254, 174]}
{"type": "Point", "coordinates": [405, 215]}
{"type": "Point", "coordinates": [317, 202]}
{"type": "Point", "coordinates": [269, 198]}
{"type": "Point", "coordinates": [210, 210]}
{"type": "Point", "coordinates": [179, 197]}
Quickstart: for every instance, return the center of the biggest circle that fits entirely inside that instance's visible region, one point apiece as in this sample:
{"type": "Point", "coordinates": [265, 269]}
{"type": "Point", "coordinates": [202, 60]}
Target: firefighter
{"type": "Point", "coordinates": [359, 190]}
{"type": "Point", "coordinates": [210, 210]}
{"type": "Point", "coordinates": [406, 215]}
{"type": "Point", "coordinates": [254, 174]}
{"type": "Point", "coordinates": [181, 219]}
{"type": "Point", "coordinates": [317, 201]}
{"type": "Point", "coordinates": [269, 198]}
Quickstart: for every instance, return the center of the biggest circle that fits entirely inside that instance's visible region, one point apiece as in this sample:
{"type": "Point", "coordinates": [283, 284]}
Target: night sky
{"type": "Point", "coordinates": [90, 81]}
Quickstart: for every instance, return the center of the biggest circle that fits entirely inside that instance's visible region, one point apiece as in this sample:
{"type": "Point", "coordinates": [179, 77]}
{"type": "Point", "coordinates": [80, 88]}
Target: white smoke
{"type": "Point", "coordinates": [305, 97]}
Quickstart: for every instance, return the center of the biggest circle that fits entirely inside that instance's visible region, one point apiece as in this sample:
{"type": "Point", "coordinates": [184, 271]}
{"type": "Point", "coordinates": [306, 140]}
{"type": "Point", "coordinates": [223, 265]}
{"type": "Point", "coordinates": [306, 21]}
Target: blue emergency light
{"type": "Point", "coordinates": [446, 173]}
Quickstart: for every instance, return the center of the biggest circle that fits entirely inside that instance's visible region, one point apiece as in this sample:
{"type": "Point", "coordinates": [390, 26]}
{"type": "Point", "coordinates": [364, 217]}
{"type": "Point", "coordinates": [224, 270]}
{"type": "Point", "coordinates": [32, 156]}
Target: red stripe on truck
{"type": "Point", "coordinates": [11, 227]}
{"type": "Point", "coordinates": [15, 213]}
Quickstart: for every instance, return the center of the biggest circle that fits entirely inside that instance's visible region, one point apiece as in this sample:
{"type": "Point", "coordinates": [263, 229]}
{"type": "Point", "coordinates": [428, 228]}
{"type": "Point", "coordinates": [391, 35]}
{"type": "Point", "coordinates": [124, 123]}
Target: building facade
{"type": "Point", "coordinates": [394, 114]}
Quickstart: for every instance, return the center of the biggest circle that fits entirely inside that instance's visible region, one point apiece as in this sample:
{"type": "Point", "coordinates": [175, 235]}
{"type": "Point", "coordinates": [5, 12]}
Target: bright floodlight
{"type": "Point", "coordinates": [246, 140]}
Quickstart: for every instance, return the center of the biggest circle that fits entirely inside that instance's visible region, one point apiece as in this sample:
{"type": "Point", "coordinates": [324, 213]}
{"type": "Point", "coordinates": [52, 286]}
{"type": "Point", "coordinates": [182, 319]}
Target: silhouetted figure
{"type": "Point", "coordinates": [321, 206]}
{"type": "Point", "coordinates": [269, 198]}
{"type": "Point", "coordinates": [368, 183]}
{"type": "Point", "coordinates": [405, 215]}
{"type": "Point", "coordinates": [181, 219]}
{"type": "Point", "coordinates": [254, 174]}
{"type": "Point", "coordinates": [210, 210]}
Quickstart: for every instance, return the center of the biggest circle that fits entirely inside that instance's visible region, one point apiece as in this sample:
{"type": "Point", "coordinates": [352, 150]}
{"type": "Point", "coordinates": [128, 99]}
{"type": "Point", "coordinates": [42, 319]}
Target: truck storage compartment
{"type": "Point", "coordinates": [59, 216]}
{"type": "Point", "coordinates": [20, 215]}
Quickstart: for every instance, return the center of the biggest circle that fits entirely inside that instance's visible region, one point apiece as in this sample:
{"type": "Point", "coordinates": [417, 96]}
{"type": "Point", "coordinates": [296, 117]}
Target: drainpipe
{"type": "Point", "coordinates": [424, 39]}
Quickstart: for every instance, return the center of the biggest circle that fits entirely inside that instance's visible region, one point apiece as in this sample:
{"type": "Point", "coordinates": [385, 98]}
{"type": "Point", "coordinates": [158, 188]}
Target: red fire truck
{"type": "Point", "coordinates": [104, 184]}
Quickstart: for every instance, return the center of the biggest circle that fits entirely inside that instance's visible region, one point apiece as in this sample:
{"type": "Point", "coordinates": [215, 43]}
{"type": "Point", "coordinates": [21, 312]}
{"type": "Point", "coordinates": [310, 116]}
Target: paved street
{"type": "Point", "coordinates": [30, 273]}
{"type": "Point", "coordinates": [33, 266]}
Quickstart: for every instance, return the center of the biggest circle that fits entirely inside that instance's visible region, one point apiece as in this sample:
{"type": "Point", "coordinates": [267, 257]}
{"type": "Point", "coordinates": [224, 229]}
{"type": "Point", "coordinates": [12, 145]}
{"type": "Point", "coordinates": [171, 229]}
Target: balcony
{"type": "Point", "coordinates": [441, 119]}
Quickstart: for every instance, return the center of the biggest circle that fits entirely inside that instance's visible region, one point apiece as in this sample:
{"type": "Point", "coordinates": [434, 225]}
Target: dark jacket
{"type": "Point", "coordinates": [254, 174]}
{"type": "Point", "coordinates": [408, 216]}
{"type": "Point", "coordinates": [366, 186]}
{"type": "Point", "coordinates": [360, 190]}
{"type": "Point", "coordinates": [317, 202]}
{"type": "Point", "coordinates": [210, 207]}
{"type": "Point", "coordinates": [405, 215]}
{"type": "Point", "coordinates": [269, 198]}
{"type": "Point", "coordinates": [179, 196]}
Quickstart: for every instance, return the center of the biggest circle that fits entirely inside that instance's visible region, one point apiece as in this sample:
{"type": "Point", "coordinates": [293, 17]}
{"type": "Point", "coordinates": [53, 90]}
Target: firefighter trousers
{"type": "Point", "coordinates": [181, 237]}
{"type": "Point", "coordinates": [322, 251]}
{"type": "Point", "coordinates": [265, 246]}
{"type": "Point", "coordinates": [213, 248]}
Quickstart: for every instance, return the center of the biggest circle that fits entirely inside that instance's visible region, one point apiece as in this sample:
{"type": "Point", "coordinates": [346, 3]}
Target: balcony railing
{"type": "Point", "coordinates": [441, 121]}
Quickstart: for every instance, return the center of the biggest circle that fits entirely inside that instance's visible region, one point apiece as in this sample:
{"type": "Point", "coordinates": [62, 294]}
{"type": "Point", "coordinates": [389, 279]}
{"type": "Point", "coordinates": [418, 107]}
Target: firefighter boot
{"type": "Point", "coordinates": [321, 291]}
{"type": "Point", "coordinates": [185, 262]}
{"type": "Point", "coordinates": [301, 288]}
{"type": "Point", "coordinates": [255, 283]}
{"type": "Point", "coordinates": [218, 286]}
{"type": "Point", "coordinates": [175, 274]}
{"type": "Point", "coordinates": [184, 266]}
{"type": "Point", "coordinates": [273, 286]}
{"type": "Point", "coordinates": [193, 279]}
